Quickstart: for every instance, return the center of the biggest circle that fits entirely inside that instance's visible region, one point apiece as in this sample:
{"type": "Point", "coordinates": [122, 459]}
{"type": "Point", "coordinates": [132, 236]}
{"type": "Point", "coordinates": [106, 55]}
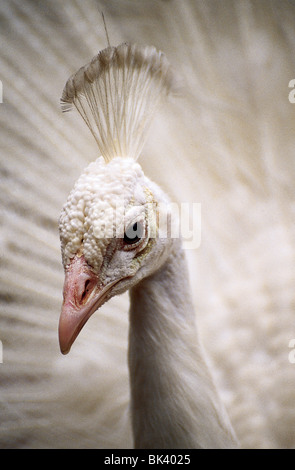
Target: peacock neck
{"type": "Point", "coordinates": [174, 403]}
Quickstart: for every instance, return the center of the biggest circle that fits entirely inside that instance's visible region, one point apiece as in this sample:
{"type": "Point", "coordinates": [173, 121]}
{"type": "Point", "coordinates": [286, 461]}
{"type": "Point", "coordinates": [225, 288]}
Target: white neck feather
{"type": "Point", "coordinates": [174, 403]}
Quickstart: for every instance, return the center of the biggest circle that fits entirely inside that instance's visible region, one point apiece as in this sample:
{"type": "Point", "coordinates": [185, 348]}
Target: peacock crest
{"type": "Point", "coordinates": [117, 94]}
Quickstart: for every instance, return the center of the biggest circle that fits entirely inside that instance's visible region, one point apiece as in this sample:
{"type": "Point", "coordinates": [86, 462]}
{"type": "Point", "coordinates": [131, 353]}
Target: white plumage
{"type": "Point", "coordinates": [229, 146]}
{"type": "Point", "coordinates": [132, 81]}
{"type": "Point", "coordinates": [114, 239]}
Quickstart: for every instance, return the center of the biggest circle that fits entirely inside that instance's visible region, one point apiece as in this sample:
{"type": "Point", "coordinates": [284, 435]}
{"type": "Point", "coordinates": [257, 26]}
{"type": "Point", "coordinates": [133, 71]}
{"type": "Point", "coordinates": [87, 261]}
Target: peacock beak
{"type": "Point", "coordinates": [83, 295]}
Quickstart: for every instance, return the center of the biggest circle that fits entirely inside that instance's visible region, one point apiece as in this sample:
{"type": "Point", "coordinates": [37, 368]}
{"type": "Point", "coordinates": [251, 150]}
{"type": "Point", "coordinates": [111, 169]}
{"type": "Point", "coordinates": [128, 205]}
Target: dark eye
{"type": "Point", "coordinates": [133, 233]}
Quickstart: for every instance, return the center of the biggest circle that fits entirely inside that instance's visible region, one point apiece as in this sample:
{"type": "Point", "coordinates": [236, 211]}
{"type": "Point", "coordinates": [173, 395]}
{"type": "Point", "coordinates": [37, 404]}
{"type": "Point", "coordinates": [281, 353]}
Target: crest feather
{"type": "Point", "coordinates": [117, 94]}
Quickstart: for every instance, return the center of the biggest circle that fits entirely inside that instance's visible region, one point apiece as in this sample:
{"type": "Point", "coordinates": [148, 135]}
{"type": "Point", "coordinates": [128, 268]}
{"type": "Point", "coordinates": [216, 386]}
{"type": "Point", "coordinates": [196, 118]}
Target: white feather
{"type": "Point", "coordinates": [117, 94]}
{"type": "Point", "coordinates": [230, 147]}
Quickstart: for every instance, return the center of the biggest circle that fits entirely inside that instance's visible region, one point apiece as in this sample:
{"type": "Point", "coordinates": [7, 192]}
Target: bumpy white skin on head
{"type": "Point", "coordinates": [87, 217]}
{"type": "Point", "coordinates": [106, 199]}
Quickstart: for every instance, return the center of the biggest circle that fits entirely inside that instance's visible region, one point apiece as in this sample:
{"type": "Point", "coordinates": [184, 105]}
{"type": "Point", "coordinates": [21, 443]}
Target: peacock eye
{"type": "Point", "coordinates": [134, 233]}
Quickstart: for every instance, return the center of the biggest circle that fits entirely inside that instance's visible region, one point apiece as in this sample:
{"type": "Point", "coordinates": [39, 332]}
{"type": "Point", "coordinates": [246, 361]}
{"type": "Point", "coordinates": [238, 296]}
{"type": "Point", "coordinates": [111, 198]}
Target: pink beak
{"type": "Point", "coordinates": [83, 295]}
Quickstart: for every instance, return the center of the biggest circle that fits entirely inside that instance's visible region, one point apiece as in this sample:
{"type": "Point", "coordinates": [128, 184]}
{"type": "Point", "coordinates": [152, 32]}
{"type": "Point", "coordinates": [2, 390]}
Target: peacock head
{"type": "Point", "coordinates": [111, 238]}
{"type": "Point", "coordinates": [110, 233]}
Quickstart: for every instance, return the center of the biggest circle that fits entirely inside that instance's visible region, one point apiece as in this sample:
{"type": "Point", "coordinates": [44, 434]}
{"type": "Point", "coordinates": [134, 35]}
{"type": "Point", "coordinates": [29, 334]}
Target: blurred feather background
{"type": "Point", "coordinates": [227, 143]}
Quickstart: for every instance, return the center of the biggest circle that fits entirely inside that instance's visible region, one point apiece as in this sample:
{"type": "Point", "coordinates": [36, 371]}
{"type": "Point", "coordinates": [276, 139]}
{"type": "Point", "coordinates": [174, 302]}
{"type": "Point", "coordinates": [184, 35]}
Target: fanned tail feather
{"type": "Point", "coordinates": [117, 94]}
